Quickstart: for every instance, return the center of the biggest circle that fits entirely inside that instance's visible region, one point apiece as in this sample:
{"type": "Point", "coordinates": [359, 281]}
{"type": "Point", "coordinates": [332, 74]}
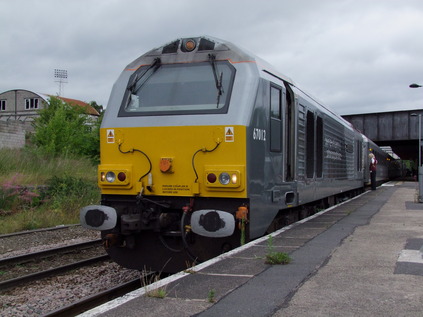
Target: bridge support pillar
{"type": "Point", "coordinates": [420, 198]}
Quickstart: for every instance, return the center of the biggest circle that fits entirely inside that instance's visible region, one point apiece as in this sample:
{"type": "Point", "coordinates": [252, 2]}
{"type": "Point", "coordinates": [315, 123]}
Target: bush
{"type": "Point", "coordinates": [62, 129]}
{"type": "Point", "coordinates": [15, 197]}
{"type": "Point", "coordinates": [26, 201]}
{"type": "Point", "coordinates": [69, 193]}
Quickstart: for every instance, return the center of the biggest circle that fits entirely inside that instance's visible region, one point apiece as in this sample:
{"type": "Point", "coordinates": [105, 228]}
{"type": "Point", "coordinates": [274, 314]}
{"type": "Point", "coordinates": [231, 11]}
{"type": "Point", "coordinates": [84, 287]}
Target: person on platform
{"type": "Point", "coordinates": [372, 168]}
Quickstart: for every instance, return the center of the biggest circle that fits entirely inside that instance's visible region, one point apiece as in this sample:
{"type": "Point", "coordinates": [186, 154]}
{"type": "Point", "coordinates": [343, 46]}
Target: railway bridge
{"type": "Point", "coordinates": [398, 129]}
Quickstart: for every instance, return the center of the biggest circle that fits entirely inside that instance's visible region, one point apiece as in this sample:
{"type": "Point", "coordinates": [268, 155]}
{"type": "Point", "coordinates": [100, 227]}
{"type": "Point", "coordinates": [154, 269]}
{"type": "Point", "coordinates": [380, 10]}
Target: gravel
{"type": "Point", "coordinates": [32, 241]}
{"type": "Point", "coordinates": [43, 296]}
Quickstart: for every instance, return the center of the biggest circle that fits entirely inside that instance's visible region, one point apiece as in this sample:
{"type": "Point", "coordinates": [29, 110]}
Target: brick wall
{"type": "Point", "coordinates": [12, 134]}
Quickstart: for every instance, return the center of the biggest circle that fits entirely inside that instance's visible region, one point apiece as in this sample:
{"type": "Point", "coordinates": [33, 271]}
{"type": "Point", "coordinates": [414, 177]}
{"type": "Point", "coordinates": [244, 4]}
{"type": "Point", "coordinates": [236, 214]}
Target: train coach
{"type": "Point", "coordinates": [205, 146]}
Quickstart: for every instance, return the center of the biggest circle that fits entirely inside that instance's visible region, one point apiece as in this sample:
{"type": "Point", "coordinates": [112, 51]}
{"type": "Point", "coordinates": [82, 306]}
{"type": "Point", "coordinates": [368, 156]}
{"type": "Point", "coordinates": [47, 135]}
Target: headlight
{"type": "Point", "coordinates": [224, 178]}
{"type": "Point", "coordinates": [114, 176]}
{"type": "Point", "coordinates": [110, 177]}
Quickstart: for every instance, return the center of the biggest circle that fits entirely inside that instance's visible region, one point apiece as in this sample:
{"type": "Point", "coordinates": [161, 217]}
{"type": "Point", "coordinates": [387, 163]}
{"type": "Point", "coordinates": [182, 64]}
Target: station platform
{"type": "Point", "coordinates": [359, 258]}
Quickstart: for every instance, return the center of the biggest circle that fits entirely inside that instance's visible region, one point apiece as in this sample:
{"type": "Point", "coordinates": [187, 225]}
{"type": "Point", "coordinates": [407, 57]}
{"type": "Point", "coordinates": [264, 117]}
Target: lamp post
{"type": "Point", "coordinates": [420, 169]}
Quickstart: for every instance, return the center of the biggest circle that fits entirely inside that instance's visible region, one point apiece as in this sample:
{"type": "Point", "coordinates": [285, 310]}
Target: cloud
{"type": "Point", "coordinates": [355, 56]}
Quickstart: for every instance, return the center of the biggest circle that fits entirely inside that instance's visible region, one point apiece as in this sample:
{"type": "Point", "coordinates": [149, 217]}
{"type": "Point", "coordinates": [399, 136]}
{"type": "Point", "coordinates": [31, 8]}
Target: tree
{"type": "Point", "coordinates": [62, 129]}
{"type": "Point", "coordinates": [97, 107]}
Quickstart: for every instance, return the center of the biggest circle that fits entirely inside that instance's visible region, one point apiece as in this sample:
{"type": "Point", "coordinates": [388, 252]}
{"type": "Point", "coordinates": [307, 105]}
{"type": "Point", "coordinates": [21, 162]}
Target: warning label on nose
{"type": "Point", "coordinates": [175, 189]}
{"type": "Point", "coordinates": [229, 134]}
{"type": "Point", "coordinates": [110, 136]}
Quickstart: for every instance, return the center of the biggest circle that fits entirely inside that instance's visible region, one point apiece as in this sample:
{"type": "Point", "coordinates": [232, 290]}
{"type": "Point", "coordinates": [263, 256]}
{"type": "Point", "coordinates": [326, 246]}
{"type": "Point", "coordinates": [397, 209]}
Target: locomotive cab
{"type": "Point", "coordinates": [173, 172]}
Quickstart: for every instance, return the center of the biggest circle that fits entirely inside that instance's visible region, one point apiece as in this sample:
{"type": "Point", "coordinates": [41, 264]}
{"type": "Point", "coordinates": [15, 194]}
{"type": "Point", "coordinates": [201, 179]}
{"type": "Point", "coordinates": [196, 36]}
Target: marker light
{"type": "Point", "coordinates": [121, 176]}
{"type": "Point", "coordinates": [211, 178]}
{"type": "Point", "coordinates": [114, 176]}
{"type": "Point", "coordinates": [224, 178]}
{"type": "Point", "coordinates": [110, 177]}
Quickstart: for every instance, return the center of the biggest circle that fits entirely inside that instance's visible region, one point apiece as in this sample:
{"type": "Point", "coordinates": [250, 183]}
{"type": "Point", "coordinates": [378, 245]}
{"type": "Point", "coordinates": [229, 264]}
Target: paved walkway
{"type": "Point", "coordinates": [363, 258]}
{"type": "Point", "coordinates": [370, 274]}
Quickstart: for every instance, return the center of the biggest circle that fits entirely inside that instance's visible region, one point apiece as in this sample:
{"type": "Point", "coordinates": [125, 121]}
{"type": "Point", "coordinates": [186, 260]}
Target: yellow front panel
{"type": "Point", "coordinates": [185, 161]}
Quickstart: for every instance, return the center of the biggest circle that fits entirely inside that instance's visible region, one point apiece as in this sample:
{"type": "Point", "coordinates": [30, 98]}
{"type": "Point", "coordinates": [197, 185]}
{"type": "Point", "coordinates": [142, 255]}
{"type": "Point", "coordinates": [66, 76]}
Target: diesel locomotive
{"type": "Point", "coordinates": [204, 146]}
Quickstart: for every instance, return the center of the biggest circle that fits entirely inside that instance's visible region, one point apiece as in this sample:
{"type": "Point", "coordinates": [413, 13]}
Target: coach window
{"type": "Point", "coordinates": [310, 145]}
{"type": "Point", "coordinates": [359, 152]}
{"type": "Point", "coordinates": [319, 146]}
{"type": "Point", "coordinates": [275, 119]}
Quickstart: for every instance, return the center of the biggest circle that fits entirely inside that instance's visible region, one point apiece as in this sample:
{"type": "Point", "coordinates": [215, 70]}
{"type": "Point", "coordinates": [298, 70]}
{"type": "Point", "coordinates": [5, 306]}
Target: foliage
{"type": "Point", "coordinates": [14, 196]}
{"type": "Point", "coordinates": [62, 129]}
{"type": "Point", "coordinates": [211, 296]}
{"type": "Point", "coordinates": [277, 258]}
{"type": "Point", "coordinates": [66, 192]}
{"type": "Point", "coordinates": [47, 182]}
{"type": "Point", "coordinates": [273, 257]}
{"type": "Point", "coordinates": [146, 279]}
{"type": "Point", "coordinates": [30, 166]}
{"type": "Point", "coordinates": [25, 200]}
{"type": "Point", "coordinates": [97, 107]}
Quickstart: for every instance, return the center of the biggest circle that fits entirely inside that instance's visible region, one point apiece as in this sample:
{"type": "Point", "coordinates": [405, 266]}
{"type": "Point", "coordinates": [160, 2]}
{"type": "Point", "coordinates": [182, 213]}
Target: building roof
{"type": "Point", "coordinates": [75, 102]}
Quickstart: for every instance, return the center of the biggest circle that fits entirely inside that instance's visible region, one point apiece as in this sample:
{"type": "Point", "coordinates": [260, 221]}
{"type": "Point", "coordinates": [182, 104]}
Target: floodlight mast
{"type": "Point", "coordinates": [62, 78]}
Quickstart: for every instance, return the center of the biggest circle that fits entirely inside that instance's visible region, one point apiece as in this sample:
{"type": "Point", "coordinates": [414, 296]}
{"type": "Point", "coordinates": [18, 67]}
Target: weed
{"type": "Point", "coordinates": [189, 268]}
{"type": "Point", "coordinates": [14, 197]}
{"type": "Point", "coordinates": [211, 296]}
{"type": "Point", "coordinates": [157, 293]}
{"type": "Point", "coordinates": [277, 258]}
{"type": "Point", "coordinates": [273, 257]}
{"type": "Point", "coordinates": [25, 204]}
{"type": "Point", "coordinates": [66, 192]}
{"type": "Point", "coordinates": [148, 278]}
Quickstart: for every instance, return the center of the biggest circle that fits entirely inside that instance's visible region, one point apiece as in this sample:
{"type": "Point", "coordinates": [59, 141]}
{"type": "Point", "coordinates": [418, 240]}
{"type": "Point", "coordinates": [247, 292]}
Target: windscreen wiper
{"type": "Point", "coordinates": [217, 79]}
{"type": "Point", "coordinates": [137, 84]}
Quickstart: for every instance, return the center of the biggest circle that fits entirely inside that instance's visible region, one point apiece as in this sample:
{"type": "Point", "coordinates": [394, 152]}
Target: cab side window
{"type": "Point", "coordinates": [275, 119]}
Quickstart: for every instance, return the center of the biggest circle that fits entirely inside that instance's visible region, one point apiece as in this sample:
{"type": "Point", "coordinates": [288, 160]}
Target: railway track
{"type": "Point", "coordinates": [62, 269]}
{"type": "Point", "coordinates": [29, 232]}
{"type": "Point", "coordinates": [96, 299]}
{"type": "Point", "coordinates": [30, 267]}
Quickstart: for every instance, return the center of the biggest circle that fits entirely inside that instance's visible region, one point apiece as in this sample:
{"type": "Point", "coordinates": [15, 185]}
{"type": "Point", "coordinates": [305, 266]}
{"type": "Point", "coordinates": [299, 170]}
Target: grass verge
{"type": "Point", "coordinates": [38, 191]}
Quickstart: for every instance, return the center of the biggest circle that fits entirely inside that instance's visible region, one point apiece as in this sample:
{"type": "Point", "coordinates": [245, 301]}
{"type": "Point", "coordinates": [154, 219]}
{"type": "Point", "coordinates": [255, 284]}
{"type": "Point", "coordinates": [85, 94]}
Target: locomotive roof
{"type": "Point", "coordinates": [172, 52]}
{"type": "Point", "coordinates": [226, 49]}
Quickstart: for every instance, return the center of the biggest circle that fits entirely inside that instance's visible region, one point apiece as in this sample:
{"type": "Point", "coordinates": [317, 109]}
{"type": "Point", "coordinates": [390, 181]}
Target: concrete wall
{"type": "Point", "coordinates": [12, 134]}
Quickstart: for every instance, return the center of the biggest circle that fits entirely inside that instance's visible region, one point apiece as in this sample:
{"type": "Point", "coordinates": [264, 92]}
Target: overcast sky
{"type": "Point", "coordinates": [355, 56]}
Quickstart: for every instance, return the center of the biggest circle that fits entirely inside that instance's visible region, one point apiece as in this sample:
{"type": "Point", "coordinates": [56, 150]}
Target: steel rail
{"type": "Point", "coordinates": [44, 253]}
{"type": "Point", "coordinates": [95, 300]}
{"type": "Point", "coordinates": [20, 233]}
{"type": "Point", "coordinates": [46, 273]}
